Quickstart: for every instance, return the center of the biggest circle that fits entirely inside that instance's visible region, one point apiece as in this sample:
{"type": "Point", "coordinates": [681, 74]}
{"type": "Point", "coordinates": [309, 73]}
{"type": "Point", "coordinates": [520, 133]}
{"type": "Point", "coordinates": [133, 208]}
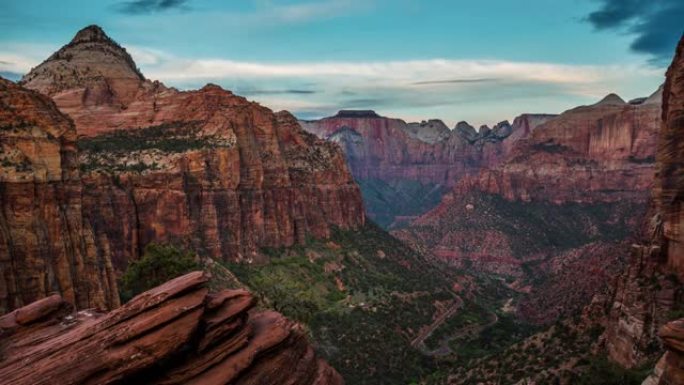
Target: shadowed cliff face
{"type": "Point", "coordinates": [176, 333]}
{"type": "Point", "coordinates": [650, 292]}
{"type": "Point", "coordinates": [404, 168]}
{"type": "Point", "coordinates": [45, 246]}
{"type": "Point", "coordinates": [206, 169]}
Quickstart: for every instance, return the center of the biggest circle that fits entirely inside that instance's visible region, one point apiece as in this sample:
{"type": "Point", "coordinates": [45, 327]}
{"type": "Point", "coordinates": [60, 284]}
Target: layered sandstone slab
{"type": "Point", "coordinates": [206, 169]}
{"type": "Point", "coordinates": [45, 245]}
{"type": "Point", "coordinates": [177, 333]}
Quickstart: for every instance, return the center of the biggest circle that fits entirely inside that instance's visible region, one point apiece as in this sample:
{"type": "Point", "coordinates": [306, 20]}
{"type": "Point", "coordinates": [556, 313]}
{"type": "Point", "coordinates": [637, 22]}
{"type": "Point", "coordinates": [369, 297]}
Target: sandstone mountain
{"type": "Point", "coordinates": [206, 169]}
{"type": "Point", "coordinates": [177, 333]}
{"type": "Point", "coordinates": [404, 168]}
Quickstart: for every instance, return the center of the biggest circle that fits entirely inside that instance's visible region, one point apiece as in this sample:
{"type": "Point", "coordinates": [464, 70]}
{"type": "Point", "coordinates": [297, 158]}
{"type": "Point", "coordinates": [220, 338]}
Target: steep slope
{"type": "Point", "coordinates": [176, 333]}
{"type": "Point", "coordinates": [404, 168]}
{"type": "Point", "coordinates": [45, 245]}
{"type": "Point", "coordinates": [368, 300]}
{"type": "Point", "coordinates": [206, 169]}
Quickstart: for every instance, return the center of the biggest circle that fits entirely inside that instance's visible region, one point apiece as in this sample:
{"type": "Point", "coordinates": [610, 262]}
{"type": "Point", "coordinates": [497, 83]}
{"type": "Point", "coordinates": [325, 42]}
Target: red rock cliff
{"type": "Point", "coordinates": [651, 287]}
{"type": "Point", "coordinates": [177, 333]}
{"type": "Point", "coordinates": [45, 246]}
{"type": "Point", "coordinates": [204, 168]}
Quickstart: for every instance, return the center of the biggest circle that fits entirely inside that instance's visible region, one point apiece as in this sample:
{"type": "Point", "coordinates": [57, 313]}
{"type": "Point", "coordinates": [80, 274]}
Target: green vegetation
{"type": "Point", "coordinates": [363, 296]}
{"type": "Point", "coordinates": [600, 371]}
{"type": "Point", "coordinates": [158, 264]}
{"type": "Point", "coordinates": [168, 137]}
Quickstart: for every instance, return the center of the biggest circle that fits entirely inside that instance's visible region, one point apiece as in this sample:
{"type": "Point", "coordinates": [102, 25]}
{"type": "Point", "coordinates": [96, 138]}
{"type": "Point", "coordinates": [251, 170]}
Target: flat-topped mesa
{"type": "Point", "coordinates": [357, 114]}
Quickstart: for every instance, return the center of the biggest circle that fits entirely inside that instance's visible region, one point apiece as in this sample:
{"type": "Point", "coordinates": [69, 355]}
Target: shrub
{"type": "Point", "coordinates": [158, 264]}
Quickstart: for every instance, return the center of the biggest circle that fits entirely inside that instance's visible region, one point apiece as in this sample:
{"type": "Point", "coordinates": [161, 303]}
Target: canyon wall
{"type": "Point", "coordinates": [650, 294]}
{"type": "Point", "coordinates": [45, 245]}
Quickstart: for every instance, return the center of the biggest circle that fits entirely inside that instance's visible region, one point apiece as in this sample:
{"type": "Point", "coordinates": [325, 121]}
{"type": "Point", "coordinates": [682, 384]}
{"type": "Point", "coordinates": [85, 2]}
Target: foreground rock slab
{"type": "Point", "coordinates": [177, 333]}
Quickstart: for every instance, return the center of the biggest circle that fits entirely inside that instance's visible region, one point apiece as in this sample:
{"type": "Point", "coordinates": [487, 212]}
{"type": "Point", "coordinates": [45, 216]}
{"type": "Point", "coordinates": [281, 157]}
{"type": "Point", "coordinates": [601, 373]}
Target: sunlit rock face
{"type": "Point", "coordinates": [176, 333]}
{"type": "Point", "coordinates": [404, 168]}
{"type": "Point", "coordinates": [45, 245]}
{"type": "Point", "coordinates": [206, 169]}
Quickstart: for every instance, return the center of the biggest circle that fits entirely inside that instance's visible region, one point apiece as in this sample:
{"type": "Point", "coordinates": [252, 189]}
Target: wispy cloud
{"type": "Point", "coordinates": [139, 7]}
{"type": "Point", "coordinates": [453, 81]}
{"type": "Point", "coordinates": [656, 25]}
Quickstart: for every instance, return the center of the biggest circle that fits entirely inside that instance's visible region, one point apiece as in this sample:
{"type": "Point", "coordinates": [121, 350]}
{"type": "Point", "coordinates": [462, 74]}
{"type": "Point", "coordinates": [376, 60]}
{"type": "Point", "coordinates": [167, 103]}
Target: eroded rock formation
{"type": "Point", "coordinates": [45, 245]}
{"type": "Point", "coordinates": [206, 168]}
{"type": "Point", "coordinates": [177, 333]}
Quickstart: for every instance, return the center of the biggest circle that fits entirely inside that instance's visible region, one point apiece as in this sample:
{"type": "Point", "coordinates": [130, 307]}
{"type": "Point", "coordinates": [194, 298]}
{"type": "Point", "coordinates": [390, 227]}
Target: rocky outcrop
{"type": "Point", "coordinates": [669, 369]}
{"type": "Point", "coordinates": [177, 333]}
{"type": "Point", "coordinates": [401, 166]}
{"type": "Point", "coordinates": [45, 245]}
{"type": "Point", "coordinates": [206, 169]}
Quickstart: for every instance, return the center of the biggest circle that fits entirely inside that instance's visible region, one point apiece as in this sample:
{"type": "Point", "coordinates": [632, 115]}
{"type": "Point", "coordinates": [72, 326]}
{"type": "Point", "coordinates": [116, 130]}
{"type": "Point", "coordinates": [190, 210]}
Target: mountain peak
{"type": "Point", "coordinates": [93, 61]}
{"type": "Point", "coordinates": [91, 33]}
{"type": "Point", "coordinates": [611, 100]}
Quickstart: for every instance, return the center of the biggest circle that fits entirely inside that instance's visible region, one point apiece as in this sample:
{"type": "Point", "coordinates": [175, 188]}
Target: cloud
{"type": "Point", "coordinates": [656, 24]}
{"type": "Point", "coordinates": [454, 81]}
{"type": "Point", "coordinates": [277, 92]}
{"type": "Point", "coordinates": [139, 7]}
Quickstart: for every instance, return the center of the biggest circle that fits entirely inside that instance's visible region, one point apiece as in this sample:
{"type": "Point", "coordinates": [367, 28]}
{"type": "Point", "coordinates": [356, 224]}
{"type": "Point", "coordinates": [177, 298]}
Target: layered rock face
{"type": "Point", "coordinates": [599, 153]}
{"type": "Point", "coordinates": [177, 333]}
{"type": "Point", "coordinates": [403, 163]}
{"type": "Point", "coordinates": [206, 169]}
{"type": "Point", "coordinates": [45, 245]}
{"type": "Point", "coordinates": [670, 184]}
{"type": "Point", "coordinates": [651, 287]}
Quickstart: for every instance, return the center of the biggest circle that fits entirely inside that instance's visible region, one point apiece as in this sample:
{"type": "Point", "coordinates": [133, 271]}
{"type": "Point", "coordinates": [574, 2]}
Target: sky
{"type": "Point", "coordinates": [480, 61]}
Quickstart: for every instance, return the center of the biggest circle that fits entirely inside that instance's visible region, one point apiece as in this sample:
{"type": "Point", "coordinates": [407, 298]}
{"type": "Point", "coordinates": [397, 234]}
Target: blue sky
{"type": "Point", "coordinates": [481, 61]}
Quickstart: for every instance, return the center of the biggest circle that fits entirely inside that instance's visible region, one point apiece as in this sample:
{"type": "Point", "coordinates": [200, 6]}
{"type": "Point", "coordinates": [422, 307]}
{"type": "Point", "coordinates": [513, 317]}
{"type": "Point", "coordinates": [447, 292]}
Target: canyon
{"type": "Point", "coordinates": [563, 206]}
{"type": "Point", "coordinates": [523, 253]}
{"type": "Point", "coordinates": [403, 169]}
